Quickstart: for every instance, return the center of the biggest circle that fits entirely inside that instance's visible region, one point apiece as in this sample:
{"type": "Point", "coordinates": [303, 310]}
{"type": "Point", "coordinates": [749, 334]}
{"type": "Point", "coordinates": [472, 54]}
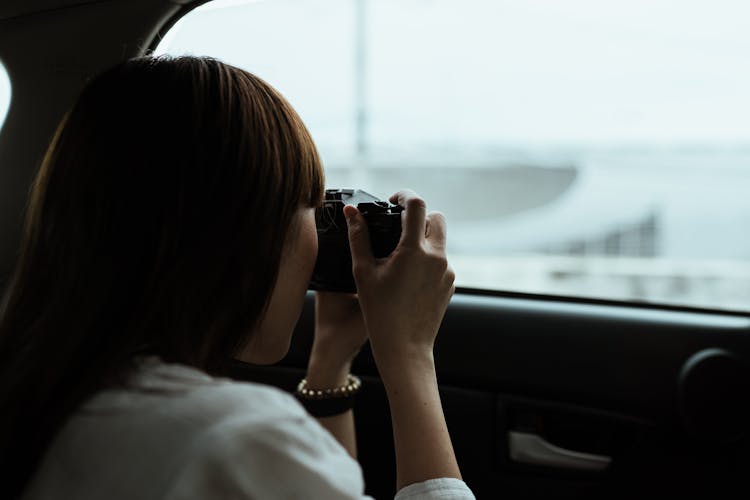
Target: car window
{"type": "Point", "coordinates": [582, 148]}
{"type": "Point", "coordinates": [4, 94]}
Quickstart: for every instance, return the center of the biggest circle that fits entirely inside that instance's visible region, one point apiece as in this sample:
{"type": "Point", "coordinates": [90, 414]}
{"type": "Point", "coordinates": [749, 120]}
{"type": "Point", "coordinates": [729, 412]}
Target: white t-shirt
{"type": "Point", "coordinates": [178, 434]}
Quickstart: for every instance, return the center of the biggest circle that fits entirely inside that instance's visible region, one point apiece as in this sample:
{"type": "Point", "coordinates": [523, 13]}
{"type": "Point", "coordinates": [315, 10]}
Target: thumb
{"type": "Point", "coordinates": [359, 237]}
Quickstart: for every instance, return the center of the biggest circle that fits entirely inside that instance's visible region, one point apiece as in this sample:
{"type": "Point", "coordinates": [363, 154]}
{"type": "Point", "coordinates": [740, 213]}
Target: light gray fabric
{"type": "Point", "coordinates": [178, 434]}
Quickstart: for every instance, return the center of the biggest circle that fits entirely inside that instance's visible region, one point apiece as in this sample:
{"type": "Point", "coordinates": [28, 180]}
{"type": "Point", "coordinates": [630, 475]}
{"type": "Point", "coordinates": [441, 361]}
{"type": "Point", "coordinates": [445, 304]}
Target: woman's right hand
{"type": "Point", "coordinates": [403, 296]}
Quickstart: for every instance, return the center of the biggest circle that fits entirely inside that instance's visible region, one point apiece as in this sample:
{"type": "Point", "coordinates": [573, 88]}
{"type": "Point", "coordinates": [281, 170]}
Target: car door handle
{"type": "Point", "coordinates": [532, 449]}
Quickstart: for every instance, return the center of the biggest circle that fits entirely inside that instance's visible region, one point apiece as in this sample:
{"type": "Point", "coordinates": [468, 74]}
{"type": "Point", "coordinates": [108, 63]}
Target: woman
{"type": "Point", "coordinates": [170, 228]}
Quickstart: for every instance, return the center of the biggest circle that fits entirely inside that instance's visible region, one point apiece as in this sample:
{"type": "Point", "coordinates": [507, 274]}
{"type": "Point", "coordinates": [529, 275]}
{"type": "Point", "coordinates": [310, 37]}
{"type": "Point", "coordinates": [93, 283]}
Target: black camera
{"type": "Point", "coordinates": [333, 269]}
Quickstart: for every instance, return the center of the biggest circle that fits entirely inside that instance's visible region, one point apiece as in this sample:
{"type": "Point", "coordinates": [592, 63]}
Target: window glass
{"type": "Point", "coordinates": [587, 148]}
{"type": "Point", "coordinates": [4, 94]}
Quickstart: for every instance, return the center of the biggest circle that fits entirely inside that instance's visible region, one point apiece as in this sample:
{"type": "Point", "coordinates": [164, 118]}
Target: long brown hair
{"type": "Point", "coordinates": [155, 225]}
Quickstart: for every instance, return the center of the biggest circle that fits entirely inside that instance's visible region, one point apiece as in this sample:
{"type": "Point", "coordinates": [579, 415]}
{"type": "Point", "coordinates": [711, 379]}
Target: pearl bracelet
{"type": "Point", "coordinates": [352, 387]}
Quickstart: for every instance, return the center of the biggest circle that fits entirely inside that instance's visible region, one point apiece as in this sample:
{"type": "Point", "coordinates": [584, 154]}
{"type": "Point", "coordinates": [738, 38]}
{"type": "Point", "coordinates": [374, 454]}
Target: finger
{"type": "Point", "coordinates": [359, 237]}
{"type": "Point", "coordinates": [437, 230]}
{"type": "Point", "coordinates": [413, 221]}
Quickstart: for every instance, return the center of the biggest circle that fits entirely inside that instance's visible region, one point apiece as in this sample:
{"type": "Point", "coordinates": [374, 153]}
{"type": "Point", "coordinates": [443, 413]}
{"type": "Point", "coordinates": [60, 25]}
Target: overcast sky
{"type": "Point", "coordinates": [497, 71]}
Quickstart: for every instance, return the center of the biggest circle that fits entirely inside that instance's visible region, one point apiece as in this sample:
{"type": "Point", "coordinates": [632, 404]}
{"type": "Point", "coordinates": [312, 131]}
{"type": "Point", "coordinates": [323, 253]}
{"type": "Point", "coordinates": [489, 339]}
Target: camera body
{"type": "Point", "coordinates": [333, 268]}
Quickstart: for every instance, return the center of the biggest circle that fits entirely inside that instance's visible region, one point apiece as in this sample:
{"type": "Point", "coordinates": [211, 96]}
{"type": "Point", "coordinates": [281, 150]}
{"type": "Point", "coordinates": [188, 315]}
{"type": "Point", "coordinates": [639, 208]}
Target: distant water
{"type": "Point", "coordinates": [702, 199]}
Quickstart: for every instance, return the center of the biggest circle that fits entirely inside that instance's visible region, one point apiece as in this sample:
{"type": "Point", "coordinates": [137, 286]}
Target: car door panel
{"type": "Point", "coordinates": [575, 377]}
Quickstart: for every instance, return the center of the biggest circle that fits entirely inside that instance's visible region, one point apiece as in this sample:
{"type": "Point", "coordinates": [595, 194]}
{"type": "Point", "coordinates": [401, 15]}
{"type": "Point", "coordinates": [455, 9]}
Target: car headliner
{"type": "Point", "coordinates": [17, 8]}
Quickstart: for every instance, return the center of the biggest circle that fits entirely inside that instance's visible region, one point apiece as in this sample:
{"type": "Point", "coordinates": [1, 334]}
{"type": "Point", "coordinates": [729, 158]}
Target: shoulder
{"type": "Point", "coordinates": [160, 393]}
{"type": "Point", "coordinates": [240, 440]}
{"type": "Point", "coordinates": [286, 454]}
{"type": "Point", "coordinates": [255, 404]}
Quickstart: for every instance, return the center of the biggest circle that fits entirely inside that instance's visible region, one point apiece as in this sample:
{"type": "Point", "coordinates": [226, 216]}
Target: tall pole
{"type": "Point", "coordinates": [360, 83]}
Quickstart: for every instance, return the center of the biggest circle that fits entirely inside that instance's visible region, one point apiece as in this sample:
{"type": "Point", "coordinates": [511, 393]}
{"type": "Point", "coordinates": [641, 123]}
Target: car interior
{"type": "Point", "coordinates": [545, 395]}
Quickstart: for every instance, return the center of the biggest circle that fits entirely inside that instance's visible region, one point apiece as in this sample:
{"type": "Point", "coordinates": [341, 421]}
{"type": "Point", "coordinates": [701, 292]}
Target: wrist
{"type": "Point", "coordinates": [399, 368]}
{"type": "Point", "coordinates": [328, 401]}
{"type": "Point", "coordinates": [323, 373]}
{"type": "Point", "coordinates": [336, 345]}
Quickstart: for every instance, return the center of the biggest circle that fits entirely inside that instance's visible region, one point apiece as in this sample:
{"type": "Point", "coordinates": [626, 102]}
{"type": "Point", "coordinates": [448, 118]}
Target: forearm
{"type": "Point", "coordinates": [323, 376]}
{"type": "Point", "coordinates": [423, 446]}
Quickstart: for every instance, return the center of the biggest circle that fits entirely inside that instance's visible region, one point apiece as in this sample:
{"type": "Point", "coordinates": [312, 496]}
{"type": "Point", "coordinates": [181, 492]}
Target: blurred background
{"type": "Point", "coordinates": [587, 148]}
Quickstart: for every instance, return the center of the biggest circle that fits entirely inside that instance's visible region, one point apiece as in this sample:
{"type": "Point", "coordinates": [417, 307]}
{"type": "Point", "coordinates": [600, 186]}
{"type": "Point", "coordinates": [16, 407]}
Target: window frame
{"type": "Point", "coordinates": [189, 6]}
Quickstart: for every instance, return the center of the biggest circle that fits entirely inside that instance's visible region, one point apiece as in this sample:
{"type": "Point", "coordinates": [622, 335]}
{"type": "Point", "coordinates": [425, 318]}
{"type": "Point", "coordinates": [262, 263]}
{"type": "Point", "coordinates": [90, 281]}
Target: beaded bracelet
{"type": "Point", "coordinates": [353, 384]}
{"type": "Point", "coordinates": [328, 402]}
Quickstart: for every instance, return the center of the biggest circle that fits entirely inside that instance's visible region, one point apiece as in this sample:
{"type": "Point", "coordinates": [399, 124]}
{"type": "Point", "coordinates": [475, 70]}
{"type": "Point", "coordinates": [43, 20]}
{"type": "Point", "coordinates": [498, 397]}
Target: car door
{"type": "Point", "coordinates": [570, 399]}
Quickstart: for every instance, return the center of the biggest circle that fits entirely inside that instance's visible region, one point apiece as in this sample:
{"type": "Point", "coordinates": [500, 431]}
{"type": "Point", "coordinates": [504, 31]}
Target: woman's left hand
{"type": "Point", "coordinates": [340, 334]}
